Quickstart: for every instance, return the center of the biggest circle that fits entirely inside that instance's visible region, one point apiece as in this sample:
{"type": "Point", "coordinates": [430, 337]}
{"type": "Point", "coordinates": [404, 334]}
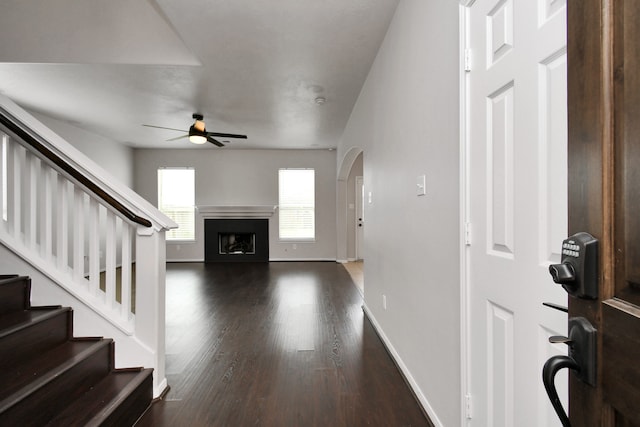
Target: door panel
{"type": "Point", "coordinates": [621, 344]}
{"type": "Point", "coordinates": [627, 99]}
{"type": "Point", "coordinates": [553, 153]}
{"type": "Point", "coordinates": [518, 202]}
{"type": "Point", "coordinates": [604, 198]}
{"type": "Point", "coordinates": [621, 315]}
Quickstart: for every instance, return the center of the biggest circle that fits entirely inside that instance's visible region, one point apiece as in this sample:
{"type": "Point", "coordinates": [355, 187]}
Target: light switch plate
{"type": "Point", "coordinates": [421, 185]}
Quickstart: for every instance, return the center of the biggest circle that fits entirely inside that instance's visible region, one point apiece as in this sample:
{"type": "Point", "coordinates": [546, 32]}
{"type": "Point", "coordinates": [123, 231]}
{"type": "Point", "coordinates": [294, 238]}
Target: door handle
{"type": "Point", "coordinates": [556, 306]}
{"type": "Point", "coordinates": [549, 371]}
{"type": "Point", "coordinates": [581, 360]}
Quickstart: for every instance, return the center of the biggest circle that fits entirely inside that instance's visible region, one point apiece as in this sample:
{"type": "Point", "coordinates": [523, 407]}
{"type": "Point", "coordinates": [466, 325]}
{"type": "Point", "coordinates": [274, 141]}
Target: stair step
{"type": "Point", "coordinates": [57, 390]}
{"type": "Point", "coordinates": [15, 321]}
{"type": "Point", "coordinates": [15, 293]}
{"type": "Point", "coordinates": [119, 399]}
{"type": "Point", "coordinates": [51, 378]}
{"type": "Point", "coordinates": [32, 331]}
{"type": "Point", "coordinates": [21, 379]}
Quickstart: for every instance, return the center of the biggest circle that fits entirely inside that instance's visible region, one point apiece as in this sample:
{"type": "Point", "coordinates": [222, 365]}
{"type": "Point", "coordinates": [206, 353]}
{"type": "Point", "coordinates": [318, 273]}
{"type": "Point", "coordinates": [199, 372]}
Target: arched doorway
{"type": "Point", "coordinates": [350, 215]}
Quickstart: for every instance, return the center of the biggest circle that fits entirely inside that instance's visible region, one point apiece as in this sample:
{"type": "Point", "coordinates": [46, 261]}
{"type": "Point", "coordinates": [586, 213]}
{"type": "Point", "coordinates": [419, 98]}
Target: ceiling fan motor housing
{"type": "Point", "coordinates": [198, 128]}
{"type": "Point", "coordinates": [194, 129]}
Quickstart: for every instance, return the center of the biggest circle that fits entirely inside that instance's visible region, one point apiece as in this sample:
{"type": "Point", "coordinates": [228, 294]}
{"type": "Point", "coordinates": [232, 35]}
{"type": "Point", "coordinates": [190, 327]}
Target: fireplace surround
{"type": "Point", "coordinates": [236, 240]}
{"type": "Point", "coordinates": [238, 233]}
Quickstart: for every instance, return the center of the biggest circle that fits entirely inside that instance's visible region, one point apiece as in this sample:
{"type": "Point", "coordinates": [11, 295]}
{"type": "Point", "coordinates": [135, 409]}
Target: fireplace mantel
{"type": "Point", "coordinates": [253, 211]}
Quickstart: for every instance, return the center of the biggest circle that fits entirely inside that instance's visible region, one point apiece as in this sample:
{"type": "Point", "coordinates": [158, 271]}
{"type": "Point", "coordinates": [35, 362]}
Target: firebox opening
{"type": "Point", "coordinates": [236, 243]}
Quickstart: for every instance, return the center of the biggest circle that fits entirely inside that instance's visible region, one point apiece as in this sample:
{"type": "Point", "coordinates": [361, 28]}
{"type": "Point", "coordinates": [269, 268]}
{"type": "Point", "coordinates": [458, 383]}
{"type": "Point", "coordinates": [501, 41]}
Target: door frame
{"type": "Point", "coordinates": [465, 233]}
{"type": "Point", "coordinates": [350, 156]}
{"type": "Point", "coordinates": [591, 154]}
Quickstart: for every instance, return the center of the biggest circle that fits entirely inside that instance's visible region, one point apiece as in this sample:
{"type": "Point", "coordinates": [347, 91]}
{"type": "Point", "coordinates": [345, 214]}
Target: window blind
{"type": "Point", "coordinates": [296, 188]}
{"type": "Point", "coordinates": [176, 199]}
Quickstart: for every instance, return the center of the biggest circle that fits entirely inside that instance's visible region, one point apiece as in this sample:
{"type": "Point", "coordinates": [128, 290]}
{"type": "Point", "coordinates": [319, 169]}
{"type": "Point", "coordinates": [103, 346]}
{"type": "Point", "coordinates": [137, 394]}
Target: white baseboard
{"type": "Point", "coordinates": [160, 388]}
{"type": "Point", "coordinates": [270, 260]}
{"type": "Point", "coordinates": [403, 368]}
{"type": "Point", "coordinates": [301, 259]}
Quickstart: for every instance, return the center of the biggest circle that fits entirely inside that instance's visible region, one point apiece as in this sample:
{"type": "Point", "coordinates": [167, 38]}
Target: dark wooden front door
{"type": "Point", "coordinates": [604, 198]}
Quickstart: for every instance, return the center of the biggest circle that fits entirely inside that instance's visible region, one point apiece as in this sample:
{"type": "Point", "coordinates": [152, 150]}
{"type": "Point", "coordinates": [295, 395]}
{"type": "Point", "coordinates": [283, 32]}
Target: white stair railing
{"type": "Point", "coordinates": [99, 241]}
{"type": "Point", "coordinates": [58, 222]}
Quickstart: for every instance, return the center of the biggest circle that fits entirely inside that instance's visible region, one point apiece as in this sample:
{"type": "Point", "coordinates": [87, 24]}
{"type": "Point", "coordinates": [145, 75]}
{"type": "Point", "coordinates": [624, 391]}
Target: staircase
{"type": "Point", "coordinates": [51, 378]}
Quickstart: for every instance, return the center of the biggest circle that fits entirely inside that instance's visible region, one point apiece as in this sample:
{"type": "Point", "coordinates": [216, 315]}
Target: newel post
{"type": "Point", "coordinates": [150, 299]}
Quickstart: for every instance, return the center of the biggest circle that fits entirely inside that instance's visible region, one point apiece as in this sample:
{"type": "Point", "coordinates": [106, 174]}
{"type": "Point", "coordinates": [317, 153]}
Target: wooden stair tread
{"type": "Point", "coordinates": [102, 400]}
{"type": "Point", "coordinates": [51, 378]}
{"type": "Point", "coordinates": [20, 380]}
{"type": "Point", "coordinates": [18, 320]}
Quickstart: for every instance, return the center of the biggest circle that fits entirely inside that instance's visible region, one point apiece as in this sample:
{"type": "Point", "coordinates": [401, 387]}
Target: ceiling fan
{"type": "Point", "coordinates": [198, 134]}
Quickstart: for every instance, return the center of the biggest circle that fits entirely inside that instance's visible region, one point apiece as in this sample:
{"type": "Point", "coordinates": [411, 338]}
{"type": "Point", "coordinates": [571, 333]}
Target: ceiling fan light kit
{"type": "Point", "coordinates": [197, 139]}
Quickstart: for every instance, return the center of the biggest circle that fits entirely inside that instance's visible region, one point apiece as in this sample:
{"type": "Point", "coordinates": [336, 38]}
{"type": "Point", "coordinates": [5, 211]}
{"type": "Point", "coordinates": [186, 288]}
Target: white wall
{"type": "Point", "coordinates": [112, 156]}
{"type": "Point", "coordinates": [244, 178]}
{"type": "Point", "coordinates": [406, 122]}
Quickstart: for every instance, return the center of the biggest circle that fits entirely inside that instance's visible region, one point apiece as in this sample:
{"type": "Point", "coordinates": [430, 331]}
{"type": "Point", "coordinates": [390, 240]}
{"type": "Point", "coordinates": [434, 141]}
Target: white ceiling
{"type": "Point", "coordinates": [252, 67]}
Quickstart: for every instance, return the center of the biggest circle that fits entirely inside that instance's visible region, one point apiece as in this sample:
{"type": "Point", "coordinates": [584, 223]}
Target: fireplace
{"type": "Point", "coordinates": [236, 240]}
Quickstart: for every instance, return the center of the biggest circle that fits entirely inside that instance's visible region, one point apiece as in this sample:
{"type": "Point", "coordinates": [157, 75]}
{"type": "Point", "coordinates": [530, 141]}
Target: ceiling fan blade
{"type": "Point", "coordinates": [178, 137]}
{"type": "Point", "coordinates": [161, 127]}
{"type": "Point", "coordinates": [213, 141]}
{"type": "Point", "coordinates": [226, 135]}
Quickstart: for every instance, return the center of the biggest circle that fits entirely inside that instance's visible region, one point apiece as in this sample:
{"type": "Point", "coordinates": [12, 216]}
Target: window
{"type": "Point", "coordinates": [297, 204]}
{"type": "Point", "coordinates": [176, 199]}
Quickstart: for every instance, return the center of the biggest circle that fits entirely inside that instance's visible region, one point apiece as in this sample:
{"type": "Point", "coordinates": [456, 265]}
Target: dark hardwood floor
{"type": "Point", "coordinates": [275, 344]}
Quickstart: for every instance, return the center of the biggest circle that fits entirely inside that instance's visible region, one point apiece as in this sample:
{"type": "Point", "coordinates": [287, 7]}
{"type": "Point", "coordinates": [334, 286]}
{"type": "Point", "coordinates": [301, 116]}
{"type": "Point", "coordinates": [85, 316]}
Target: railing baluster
{"type": "Point", "coordinates": [10, 177]}
{"type": "Point", "coordinates": [94, 247]}
{"type": "Point", "coordinates": [79, 267]}
{"type": "Point", "coordinates": [110, 259]}
{"type": "Point", "coordinates": [46, 216]}
{"type": "Point", "coordinates": [31, 213]}
{"type": "Point", "coordinates": [62, 222]}
{"type": "Point", "coordinates": [125, 272]}
{"type": "Point", "coordinates": [11, 183]}
{"type": "Point", "coordinates": [3, 182]}
{"type": "Point", "coordinates": [17, 165]}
